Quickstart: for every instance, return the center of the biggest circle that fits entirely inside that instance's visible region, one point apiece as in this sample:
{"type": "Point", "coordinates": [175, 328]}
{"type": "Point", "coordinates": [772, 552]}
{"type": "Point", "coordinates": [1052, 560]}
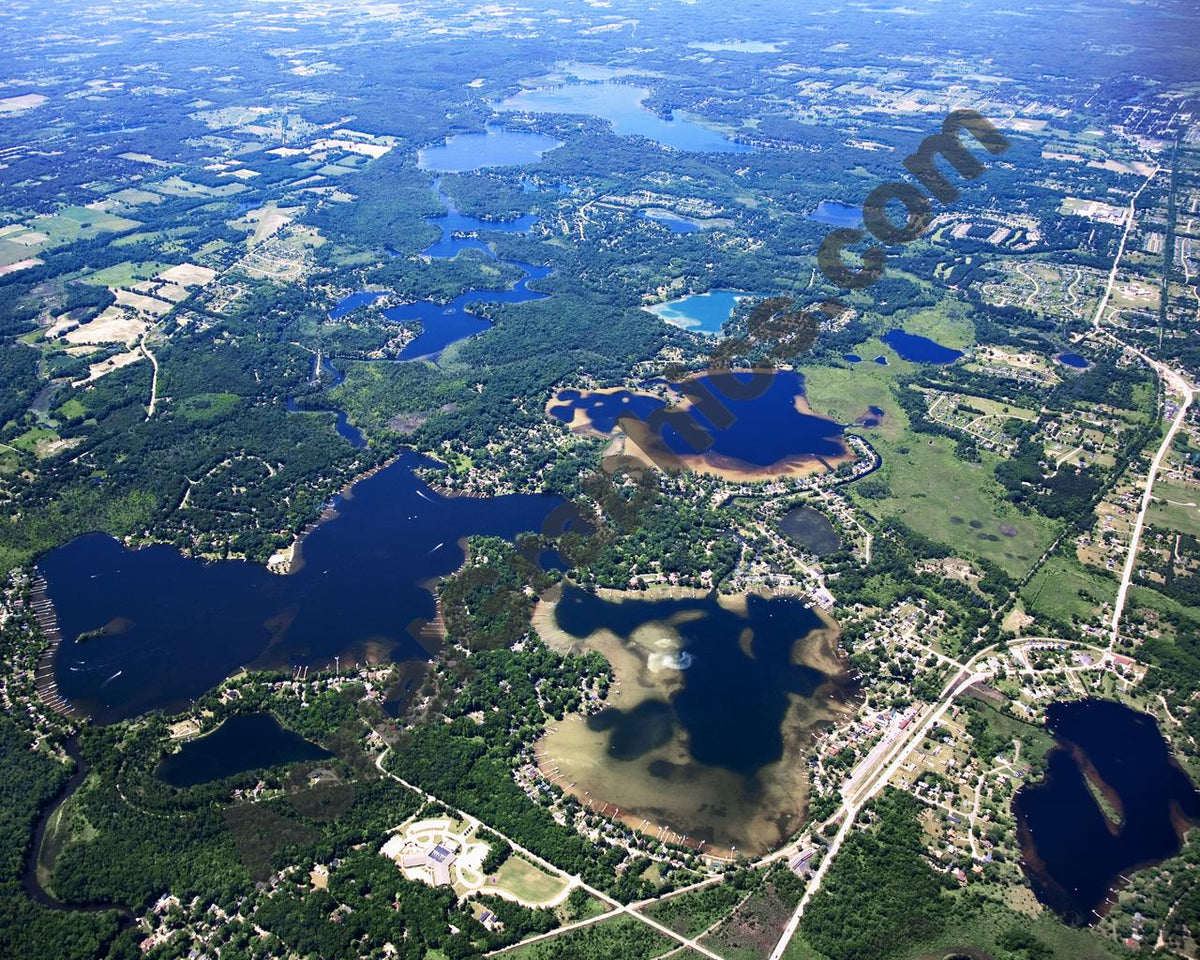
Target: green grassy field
{"type": "Point", "coordinates": [1170, 508]}
{"type": "Point", "coordinates": [206, 406]}
{"type": "Point", "coordinates": [1064, 588]}
{"type": "Point", "coordinates": [845, 393]}
{"type": "Point", "coordinates": [72, 408]}
{"type": "Point", "coordinates": [72, 223]}
{"type": "Point", "coordinates": [29, 440]}
{"type": "Point", "coordinates": [946, 323]}
{"type": "Point", "coordinates": [957, 502]}
{"type": "Point", "coordinates": [125, 274]}
{"type": "Point", "coordinates": [932, 490]}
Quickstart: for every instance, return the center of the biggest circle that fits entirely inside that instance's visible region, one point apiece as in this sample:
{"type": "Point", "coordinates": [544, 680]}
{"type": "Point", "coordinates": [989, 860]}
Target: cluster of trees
{"type": "Point", "coordinates": [29, 780]}
{"type": "Point", "coordinates": [501, 704]}
{"type": "Point", "coordinates": [880, 895]}
{"type": "Point", "coordinates": [488, 603]}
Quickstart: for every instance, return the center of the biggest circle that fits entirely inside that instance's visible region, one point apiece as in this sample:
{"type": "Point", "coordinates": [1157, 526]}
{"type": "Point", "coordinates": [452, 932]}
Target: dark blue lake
{"type": "Point", "coordinates": [852, 358]}
{"type": "Point", "coordinates": [882, 361]}
{"type": "Point", "coordinates": [175, 627]}
{"type": "Point", "coordinates": [837, 214]}
{"type": "Point", "coordinates": [250, 741]}
{"type": "Point", "coordinates": [1073, 853]}
{"type": "Point", "coordinates": [621, 105]}
{"type": "Point", "coordinates": [917, 349]}
{"type": "Point", "coordinates": [477, 151]}
{"type": "Point", "coordinates": [1073, 360]}
{"type": "Point", "coordinates": [768, 429]}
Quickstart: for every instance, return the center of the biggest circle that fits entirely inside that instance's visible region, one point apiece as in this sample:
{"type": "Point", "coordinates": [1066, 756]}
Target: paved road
{"type": "Point", "coordinates": [1175, 380]}
{"type": "Point", "coordinates": [874, 781]}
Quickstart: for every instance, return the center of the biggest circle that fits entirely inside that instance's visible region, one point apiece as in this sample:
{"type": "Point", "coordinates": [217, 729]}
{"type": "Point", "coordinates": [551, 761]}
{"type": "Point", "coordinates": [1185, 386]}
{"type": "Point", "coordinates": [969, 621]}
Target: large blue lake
{"type": "Point", "coordinates": [621, 104]}
{"type": "Point", "coordinates": [496, 147]}
{"type": "Point", "coordinates": [717, 701]}
{"type": "Point", "coordinates": [733, 699]}
{"type": "Point", "coordinates": [764, 431]}
{"type": "Point", "coordinates": [701, 312]}
{"type": "Point", "coordinates": [174, 627]}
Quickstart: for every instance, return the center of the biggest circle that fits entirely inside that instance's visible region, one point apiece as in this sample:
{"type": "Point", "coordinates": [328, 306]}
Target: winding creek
{"type": "Point", "coordinates": [30, 879]}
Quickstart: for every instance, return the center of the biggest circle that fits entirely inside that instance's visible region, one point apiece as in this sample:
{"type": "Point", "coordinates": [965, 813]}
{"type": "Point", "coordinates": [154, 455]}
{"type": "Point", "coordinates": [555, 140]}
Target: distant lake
{"type": "Point", "coordinates": [178, 626]}
{"type": "Point", "coordinates": [716, 696]}
{"type": "Point", "coordinates": [917, 349]}
{"type": "Point", "coordinates": [1073, 360]}
{"type": "Point", "coordinates": [674, 224]}
{"type": "Point", "coordinates": [771, 433]}
{"type": "Point", "coordinates": [701, 312]}
{"type": "Point", "coordinates": [837, 214]}
{"type": "Point", "coordinates": [243, 742]}
{"type": "Point", "coordinates": [811, 530]}
{"type": "Point", "coordinates": [476, 151]}
{"type": "Point", "coordinates": [736, 46]}
{"type": "Point", "coordinates": [621, 105]}
{"type": "Point", "coordinates": [1073, 854]}
{"type": "Point", "coordinates": [852, 358]}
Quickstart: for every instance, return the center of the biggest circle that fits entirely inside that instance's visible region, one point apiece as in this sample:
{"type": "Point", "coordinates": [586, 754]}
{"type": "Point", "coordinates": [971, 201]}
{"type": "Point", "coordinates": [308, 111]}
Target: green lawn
{"type": "Point", "coordinates": [527, 881]}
